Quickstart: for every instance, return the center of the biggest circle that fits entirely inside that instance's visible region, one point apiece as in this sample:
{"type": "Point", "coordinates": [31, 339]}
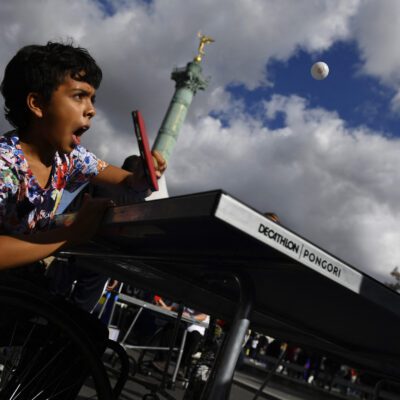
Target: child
{"type": "Point", "coordinates": [49, 94]}
{"type": "Point", "coordinates": [89, 284]}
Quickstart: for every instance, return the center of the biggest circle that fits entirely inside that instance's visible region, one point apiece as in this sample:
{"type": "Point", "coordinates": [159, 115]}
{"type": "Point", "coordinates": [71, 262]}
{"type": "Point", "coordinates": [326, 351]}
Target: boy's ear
{"type": "Point", "coordinates": [35, 103]}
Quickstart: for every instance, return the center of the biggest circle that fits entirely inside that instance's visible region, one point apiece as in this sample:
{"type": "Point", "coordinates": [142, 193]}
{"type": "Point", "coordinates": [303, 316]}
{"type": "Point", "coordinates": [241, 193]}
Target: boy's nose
{"type": "Point", "coordinates": [91, 112]}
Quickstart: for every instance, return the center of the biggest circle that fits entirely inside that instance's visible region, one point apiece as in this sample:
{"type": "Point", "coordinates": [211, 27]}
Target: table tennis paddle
{"type": "Point", "coordinates": [157, 299]}
{"type": "Point", "coordinates": [144, 148]}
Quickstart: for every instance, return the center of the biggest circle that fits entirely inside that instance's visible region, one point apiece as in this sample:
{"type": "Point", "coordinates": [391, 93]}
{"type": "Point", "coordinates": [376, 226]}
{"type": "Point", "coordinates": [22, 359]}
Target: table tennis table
{"type": "Point", "coordinates": [214, 253]}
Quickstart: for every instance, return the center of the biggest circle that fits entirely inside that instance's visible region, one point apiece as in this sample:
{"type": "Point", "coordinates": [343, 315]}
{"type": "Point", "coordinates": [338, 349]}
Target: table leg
{"type": "Point", "coordinates": [219, 383]}
{"type": "Point", "coordinates": [172, 345]}
{"type": "Point", "coordinates": [178, 361]}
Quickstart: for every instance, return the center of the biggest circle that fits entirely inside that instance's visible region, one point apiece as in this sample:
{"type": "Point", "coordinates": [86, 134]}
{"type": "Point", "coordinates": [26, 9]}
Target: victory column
{"type": "Point", "coordinates": [188, 81]}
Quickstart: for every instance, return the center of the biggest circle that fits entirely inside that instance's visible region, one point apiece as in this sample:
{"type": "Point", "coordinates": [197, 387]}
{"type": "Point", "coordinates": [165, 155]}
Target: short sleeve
{"type": "Point", "coordinates": [84, 166]}
{"type": "Point", "coordinates": [8, 185]}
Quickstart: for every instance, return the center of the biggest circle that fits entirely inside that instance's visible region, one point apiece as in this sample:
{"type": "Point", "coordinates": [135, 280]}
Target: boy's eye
{"type": "Point", "coordinates": [81, 96]}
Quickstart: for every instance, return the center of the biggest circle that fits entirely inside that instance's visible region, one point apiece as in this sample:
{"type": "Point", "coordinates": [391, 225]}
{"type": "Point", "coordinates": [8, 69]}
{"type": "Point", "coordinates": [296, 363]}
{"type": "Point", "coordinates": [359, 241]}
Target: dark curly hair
{"type": "Point", "coordinates": [41, 69]}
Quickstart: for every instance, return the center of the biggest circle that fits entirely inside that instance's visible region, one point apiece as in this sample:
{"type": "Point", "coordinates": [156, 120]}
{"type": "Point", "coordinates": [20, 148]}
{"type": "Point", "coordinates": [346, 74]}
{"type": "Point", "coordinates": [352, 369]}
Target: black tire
{"type": "Point", "coordinates": [120, 366]}
{"type": "Point", "coordinates": [36, 339]}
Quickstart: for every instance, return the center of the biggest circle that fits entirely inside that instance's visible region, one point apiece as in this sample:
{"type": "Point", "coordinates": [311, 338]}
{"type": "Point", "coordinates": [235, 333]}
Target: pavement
{"type": "Point", "coordinates": [246, 383]}
{"type": "Point", "coordinates": [243, 388]}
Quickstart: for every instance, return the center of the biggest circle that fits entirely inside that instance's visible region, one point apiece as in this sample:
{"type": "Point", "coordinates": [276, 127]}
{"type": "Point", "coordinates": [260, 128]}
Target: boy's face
{"type": "Point", "coordinates": [67, 115]}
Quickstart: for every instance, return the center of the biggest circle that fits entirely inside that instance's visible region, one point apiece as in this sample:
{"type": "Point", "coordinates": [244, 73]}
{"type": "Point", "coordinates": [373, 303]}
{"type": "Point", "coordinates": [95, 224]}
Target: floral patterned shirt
{"type": "Point", "coordinates": [26, 207]}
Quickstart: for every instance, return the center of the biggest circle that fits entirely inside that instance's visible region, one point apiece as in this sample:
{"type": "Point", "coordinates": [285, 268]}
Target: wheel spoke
{"type": "Point", "coordinates": [26, 385]}
{"type": "Point", "coordinates": [43, 348]}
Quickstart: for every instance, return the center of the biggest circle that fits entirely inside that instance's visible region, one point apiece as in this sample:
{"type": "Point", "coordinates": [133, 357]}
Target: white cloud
{"type": "Point", "coordinates": [376, 30]}
{"type": "Point", "coordinates": [376, 27]}
{"type": "Point", "coordinates": [338, 187]}
{"type": "Point", "coordinates": [139, 44]}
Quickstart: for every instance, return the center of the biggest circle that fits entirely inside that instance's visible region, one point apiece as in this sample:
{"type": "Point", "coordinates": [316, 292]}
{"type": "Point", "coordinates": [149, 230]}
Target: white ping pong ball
{"type": "Point", "coordinates": [319, 70]}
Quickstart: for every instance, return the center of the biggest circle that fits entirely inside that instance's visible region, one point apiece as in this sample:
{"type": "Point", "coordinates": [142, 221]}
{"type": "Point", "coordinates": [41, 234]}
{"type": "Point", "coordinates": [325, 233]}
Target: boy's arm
{"type": "Point", "coordinates": [201, 317]}
{"type": "Point", "coordinates": [112, 175]}
{"type": "Point", "coordinates": [136, 180]}
{"type": "Point", "coordinates": [19, 250]}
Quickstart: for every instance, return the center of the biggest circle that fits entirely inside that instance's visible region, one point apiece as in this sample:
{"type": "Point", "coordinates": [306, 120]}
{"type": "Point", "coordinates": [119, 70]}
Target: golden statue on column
{"type": "Point", "coordinates": [204, 39]}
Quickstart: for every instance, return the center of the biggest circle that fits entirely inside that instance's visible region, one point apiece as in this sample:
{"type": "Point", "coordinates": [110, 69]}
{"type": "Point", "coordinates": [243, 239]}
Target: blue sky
{"type": "Point", "coordinates": [357, 98]}
{"type": "Point", "coordinates": [106, 6]}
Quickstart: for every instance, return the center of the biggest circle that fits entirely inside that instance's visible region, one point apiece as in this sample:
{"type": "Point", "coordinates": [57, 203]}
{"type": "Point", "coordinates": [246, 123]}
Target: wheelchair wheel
{"type": "Point", "coordinates": [44, 354]}
{"type": "Point", "coordinates": [118, 366]}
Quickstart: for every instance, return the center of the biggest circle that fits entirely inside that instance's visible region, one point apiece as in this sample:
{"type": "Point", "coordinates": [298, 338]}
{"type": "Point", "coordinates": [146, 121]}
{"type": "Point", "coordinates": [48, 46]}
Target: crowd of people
{"type": "Point", "coordinates": [310, 367]}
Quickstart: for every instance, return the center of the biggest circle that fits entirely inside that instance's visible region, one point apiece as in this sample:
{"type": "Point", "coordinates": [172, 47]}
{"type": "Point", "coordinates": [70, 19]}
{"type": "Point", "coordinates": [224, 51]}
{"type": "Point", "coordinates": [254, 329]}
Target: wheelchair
{"type": "Point", "coordinates": [46, 353]}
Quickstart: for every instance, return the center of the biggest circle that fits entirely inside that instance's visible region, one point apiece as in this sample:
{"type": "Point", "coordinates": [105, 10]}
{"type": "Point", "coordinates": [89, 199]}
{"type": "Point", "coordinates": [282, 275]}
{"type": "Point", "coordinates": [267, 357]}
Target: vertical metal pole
{"type": "Point", "coordinates": [104, 305]}
{"type": "Point", "coordinates": [219, 384]}
{"type": "Point", "coordinates": [172, 345]}
{"type": "Point", "coordinates": [115, 304]}
{"type": "Point", "coordinates": [178, 362]}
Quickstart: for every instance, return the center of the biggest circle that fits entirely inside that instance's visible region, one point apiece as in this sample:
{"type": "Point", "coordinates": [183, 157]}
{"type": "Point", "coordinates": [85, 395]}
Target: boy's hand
{"type": "Point", "coordinates": [88, 219]}
{"type": "Point", "coordinates": [159, 163]}
{"type": "Point", "coordinates": [138, 180]}
{"type": "Point", "coordinates": [111, 285]}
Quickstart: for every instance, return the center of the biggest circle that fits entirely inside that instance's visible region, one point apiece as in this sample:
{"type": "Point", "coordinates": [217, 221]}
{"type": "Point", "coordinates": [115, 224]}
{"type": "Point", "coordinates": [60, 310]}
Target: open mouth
{"type": "Point", "coordinates": [76, 136]}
